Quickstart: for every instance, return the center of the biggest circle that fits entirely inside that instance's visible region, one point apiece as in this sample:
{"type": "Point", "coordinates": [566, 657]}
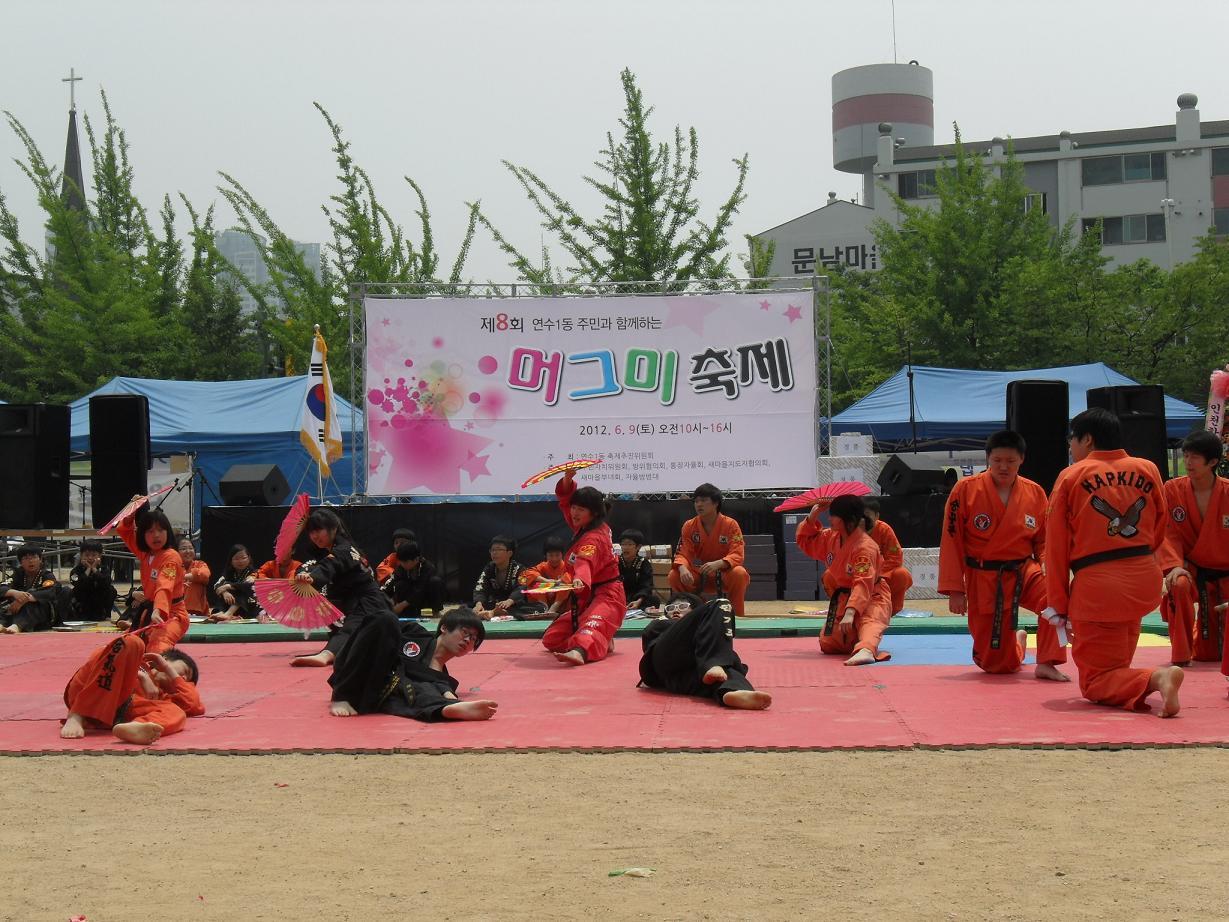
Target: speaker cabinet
{"type": "Point", "coordinates": [907, 475]}
{"type": "Point", "coordinates": [34, 465]}
{"type": "Point", "coordinates": [1141, 410]}
{"type": "Point", "coordinates": [254, 485]}
{"type": "Point", "coordinates": [1038, 411]}
{"type": "Point", "coordinates": [119, 451]}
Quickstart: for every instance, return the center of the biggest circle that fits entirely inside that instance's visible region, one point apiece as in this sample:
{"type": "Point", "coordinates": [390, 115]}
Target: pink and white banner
{"type": "Point", "coordinates": [472, 396]}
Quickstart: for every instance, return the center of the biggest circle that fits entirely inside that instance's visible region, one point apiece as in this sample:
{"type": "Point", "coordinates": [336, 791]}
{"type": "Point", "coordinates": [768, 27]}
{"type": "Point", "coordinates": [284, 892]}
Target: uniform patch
{"type": "Point", "coordinates": [723, 539]}
{"type": "Point", "coordinates": [1179, 514]}
{"type": "Point", "coordinates": [862, 567]}
{"type": "Point", "coordinates": [695, 537]}
{"type": "Point", "coordinates": [356, 555]}
{"type": "Point", "coordinates": [1030, 521]}
{"type": "Point", "coordinates": [1224, 521]}
{"type": "Point", "coordinates": [587, 550]}
{"type": "Point", "coordinates": [981, 521]}
{"type": "Point", "coordinates": [828, 560]}
{"type": "Point", "coordinates": [736, 539]}
{"type": "Point", "coordinates": [411, 649]}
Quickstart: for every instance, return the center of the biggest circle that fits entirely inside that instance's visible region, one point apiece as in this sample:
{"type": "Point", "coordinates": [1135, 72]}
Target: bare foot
{"type": "Point", "coordinates": [482, 709]}
{"type": "Point", "coordinates": [1022, 640]}
{"type": "Point", "coordinates": [137, 732]}
{"type": "Point", "coordinates": [342, 709]}
{"type": "Point", "coordinates": [747, 700]}
{"type": "Point", "coordinates": [862, 657]}
{"type": "Point", "coordinates": [12, 629]}
{"type": "Point", "coordinates": [571, 658]}
{"type": "Point", "coordinates": [1050, 672]}
{"type": "Point", "coordinates": [714, 676]}
{"type": "Point", "coordinates": [1167, 680]}
{"type": "Point", "coordinates": [74, 727]}
{"type": "Point", "coordinates": [323, 658]}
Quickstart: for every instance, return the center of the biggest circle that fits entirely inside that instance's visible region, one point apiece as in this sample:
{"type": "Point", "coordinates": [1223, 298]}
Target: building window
{"type": "Point", "coordinates": [1220, 161]}
{"type": "Point", "coordinates": [1132, 228]}
{"type": "Point", "coordinates": [1107, 171]}
{"type": "Point", "coordinates": [1220, 220]}
{"type": "Point", "coordinates": [1035, 200]}
{"type": "Point", "coordinates": [917, 185]}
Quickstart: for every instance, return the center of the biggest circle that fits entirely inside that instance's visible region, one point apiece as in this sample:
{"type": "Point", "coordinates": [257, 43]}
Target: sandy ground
{"type": "Point", "coordinates": [869, 835]}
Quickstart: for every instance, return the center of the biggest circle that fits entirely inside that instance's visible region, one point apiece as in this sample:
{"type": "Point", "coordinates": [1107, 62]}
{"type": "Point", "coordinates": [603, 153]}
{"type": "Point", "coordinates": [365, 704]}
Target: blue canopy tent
{"type": "Point", "coordinates": [956, 408]}
{"type": "Point", "coordinates": [223, 423]}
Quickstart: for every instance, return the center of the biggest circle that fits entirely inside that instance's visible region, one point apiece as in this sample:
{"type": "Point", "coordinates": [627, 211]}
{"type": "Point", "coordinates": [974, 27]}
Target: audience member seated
{"type": "Point", "coordinates": [93, 595]}
{"type": "Point", "coordinates": [498, 590]}
{"type": "Point", "coordinates": [195, 579]}
{"type": "Point", "coordinates": [136, 608]}
{"type": "Point", "coordinates": [710, 552]}
{"type": "Point", "coordinates": [552, 568]}
{"type": "Point", "coordinates": [234, 587]}
{"type": "Point", "coordinates": [386, 566]}
{"type": "Point", "coordinates": [414, 584]}
{"type": "Point", "coordinates": [636, 573]}
{"type": "Point", "coordinates": [272, 569]}
{"type": "Point", "coordinates": [32, 600]}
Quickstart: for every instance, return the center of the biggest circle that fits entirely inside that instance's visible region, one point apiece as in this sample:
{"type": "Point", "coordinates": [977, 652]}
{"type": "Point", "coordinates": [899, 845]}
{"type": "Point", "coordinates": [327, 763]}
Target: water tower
{"type": "Point", "coordinates": [863, 97]}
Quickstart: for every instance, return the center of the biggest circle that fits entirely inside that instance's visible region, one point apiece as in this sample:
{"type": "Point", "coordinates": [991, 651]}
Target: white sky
{"type": "Point", "coordinates": [444, 90]}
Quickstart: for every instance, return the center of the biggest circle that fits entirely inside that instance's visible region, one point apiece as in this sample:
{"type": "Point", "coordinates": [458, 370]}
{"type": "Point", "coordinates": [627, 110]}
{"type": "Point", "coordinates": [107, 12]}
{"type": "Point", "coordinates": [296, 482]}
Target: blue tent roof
{"type": "Point", "coordinates": [954, 405]}
{"type": "Point", "coordinates": [225, 423]}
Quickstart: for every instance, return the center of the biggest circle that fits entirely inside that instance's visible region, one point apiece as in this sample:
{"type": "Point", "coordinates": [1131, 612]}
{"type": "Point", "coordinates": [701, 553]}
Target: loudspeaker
{"type": "Point", "coordinates": [1038, 411]}
{"type": "Point", "coordinates": [1141, 410]}
{"type": "Point", "coordinates": [902, 476]}
{"type": "Point", "coordinates": [254, 485]}
{"type": "Point", "coordinates": [34, 465]}
{"type": "Point", "coordinates": [119, 451]}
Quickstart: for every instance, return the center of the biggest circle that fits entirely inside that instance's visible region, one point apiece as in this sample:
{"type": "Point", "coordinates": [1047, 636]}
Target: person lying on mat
{"type": "Point", "coordinates": [137, 695]}
{"type": "Point", "coordinates": [690, 651]}
{"type": "Point", "coordinates": [402, 669]}
{"type": "Point", "coordinates": [861, 607]}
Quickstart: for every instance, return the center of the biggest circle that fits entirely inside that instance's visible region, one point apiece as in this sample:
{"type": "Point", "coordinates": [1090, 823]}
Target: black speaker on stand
{"type": "Point", "coordinates": [254, 485]}
{"type": "Point", "coordinates": [1038, 410]}
{"type": "Point", "coordinates": [905, 475]}
{"type": "Point", "coordinates": [34, 465]}
{"type": "Point", "coordinates": [119, 452]}
{"type": "Point", "coordinates": [1141, 410]}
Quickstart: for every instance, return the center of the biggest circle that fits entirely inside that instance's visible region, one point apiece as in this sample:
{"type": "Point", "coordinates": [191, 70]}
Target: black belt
{"type": "Point", "coordinates": [834, 608]}
{"type": "Point", "coordinates": [1118, 553]}
{"type": "Point", "coordinates": [178, 600]}
{"type": "Point", "coordinates": [1002, 566]}
{"type": "Point", "coordinates": [1203, 576]}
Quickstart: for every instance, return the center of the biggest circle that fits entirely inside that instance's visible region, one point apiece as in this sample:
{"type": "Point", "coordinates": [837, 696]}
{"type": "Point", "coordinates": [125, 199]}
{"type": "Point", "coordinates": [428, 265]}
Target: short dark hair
{"type": "Point", "coordinates": [850, 510]}
{"type": "Point", "coordinates": [1102, 425]}
{"type": "Point", "coordinates": [1006, 438]}
{"type": "Point", "coordinates": [175, 655]}
{"type": "Point", "coordinates": [146, 519]}
{"type": "Point", "coordinates": [91, 545]}
{"type": "Point", "coordinates": [408, 550]}
{"type": "Point", "coordinates": [463, 617]}
{"type": "Point", "coordinates": [509, 543]}
{"type": "Point", "coordinates": [405, 533]}
{"type": "Point", "coordinates": [594, 500]}
{"type": "Point", "coordinates": [29, 550]}
{"type": "Point", "coordinates": [634, 535]}
{"type": "Point", "coordinates": [554, 543]}
{"type": "Point", "coordinates": [1205, 444]}
{"type": "Point", "coordinates": [708, 491]}
{"type": "Point", "coordinates": [871, 504]}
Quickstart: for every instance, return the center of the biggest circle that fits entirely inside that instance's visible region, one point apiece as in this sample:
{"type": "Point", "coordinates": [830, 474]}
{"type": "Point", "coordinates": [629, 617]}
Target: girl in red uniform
{"type": "Point", "coordinates": [149, 536]}
{"type": "Point", "coordinates": [586, 633]}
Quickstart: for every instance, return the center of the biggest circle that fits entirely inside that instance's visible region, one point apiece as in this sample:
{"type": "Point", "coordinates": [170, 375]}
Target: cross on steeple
{"type": "Point", "coordinates": [71, 79]}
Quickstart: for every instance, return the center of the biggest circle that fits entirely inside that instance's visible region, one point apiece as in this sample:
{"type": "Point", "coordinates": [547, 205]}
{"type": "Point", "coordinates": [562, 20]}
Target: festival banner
{"type": "Point", "coordinates": [472, 396]}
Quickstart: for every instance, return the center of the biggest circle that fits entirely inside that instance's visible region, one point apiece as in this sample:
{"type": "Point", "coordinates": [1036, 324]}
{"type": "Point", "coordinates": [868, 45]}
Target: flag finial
{"type": "Point", "coordinates": [317, 328]}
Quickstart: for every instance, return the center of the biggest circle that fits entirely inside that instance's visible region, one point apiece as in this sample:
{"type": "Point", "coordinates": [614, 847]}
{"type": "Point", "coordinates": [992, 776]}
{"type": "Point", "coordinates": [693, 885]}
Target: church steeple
{"type": "Point", "coordinates": [72, 187]}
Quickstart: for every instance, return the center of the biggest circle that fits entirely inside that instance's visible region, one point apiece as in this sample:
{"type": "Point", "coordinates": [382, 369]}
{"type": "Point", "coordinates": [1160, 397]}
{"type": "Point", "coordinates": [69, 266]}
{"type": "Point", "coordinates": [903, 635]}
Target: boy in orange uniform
{"type": "Point", "coordinates": [711, 548]}
{"type": "Point", "coordinates": [272, 569]}
{"type": "Point", "coordinates": [1196, 557]}
{"type": "Point", "coordinates": [1105, 527]}
{"type": "Point", "coordinates": [386, 566]}
{"type": "Point", "coordinates": [137, 704]}
{"type": "Point", "coordinates": [554, 568]}
{"type": "Point", "coordinates": [195, 579]}
{"type": "Point", "coordinates": [990, 561]}
{"type": "Point", "coordinates": [862, 598]}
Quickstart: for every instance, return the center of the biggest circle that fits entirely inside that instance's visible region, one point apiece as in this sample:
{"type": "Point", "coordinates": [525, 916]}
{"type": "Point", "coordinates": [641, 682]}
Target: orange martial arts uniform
{"type": "Point", "coordinates": [1199, 544]}
{"type": "Point", "coordinates": [698, 546]}
{"type": "Point", "coordinates": [385, 568]}
{"type": "Point", "coordinates": [993, 553]}
{"type": "Point", "coordinates": [270, 570]}
{"type": "Point", "coordinates": [163, 585]}
{"type": "Point", "coordinates": [855, 563]}
{"type": "Point", "coordinates": [106, 692]}
{"type": "Point", "coordinates": [560, 572]}
{"type": "Point", "coordinates": [1105, 527]}
{"type": "Point", "coordinates": [893, 557]}
{"type": "Point", "coordinates": [195, 599]}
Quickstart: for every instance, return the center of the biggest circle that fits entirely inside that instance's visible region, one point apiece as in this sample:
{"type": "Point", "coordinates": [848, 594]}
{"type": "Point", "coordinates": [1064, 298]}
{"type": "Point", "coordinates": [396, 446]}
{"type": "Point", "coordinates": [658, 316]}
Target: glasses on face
{"type": "Point", "coordinates": [677, 606]}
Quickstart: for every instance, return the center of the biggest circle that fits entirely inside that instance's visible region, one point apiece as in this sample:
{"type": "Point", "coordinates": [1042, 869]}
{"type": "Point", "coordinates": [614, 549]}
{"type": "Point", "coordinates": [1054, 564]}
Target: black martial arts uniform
{"type": "Point", "coordinates": [50, 601]}
{"type": "Point", "coordinates": [491, 589]}
{"type": "Point", "coordinates": [677, 653]}
{"type": "Point", "coordinates": [93, 595]}
{"type": "Point", "coordinates": [240, 582]}
{"type": "Point", "coordinates": [420, 588]}
{"type": "Point", "coordinates": [637, 579]}
{"type": "Point", "coordinates": [342, 574]}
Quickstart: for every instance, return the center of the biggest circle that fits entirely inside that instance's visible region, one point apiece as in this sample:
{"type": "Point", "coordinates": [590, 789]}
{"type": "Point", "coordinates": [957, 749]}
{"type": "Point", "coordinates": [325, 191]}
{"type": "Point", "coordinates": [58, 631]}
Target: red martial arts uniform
{"type": "Point", "coordinates": [600, 604]}
{"type": "Point", "coordinates": [993, 553]}
{"type": "Point", "coordinates": [855, 564]}
{"type": "Point", "coordinates": [106, 692]}
{"type": "Point", "coordinates": [698, 546]}
{"type": "Point", "coordinates": [1198, 543]}
{"type": "Point", "coordinates": [194, 588]}
{"type": "Point", "coordinates": [891, 554]}
{"type": "Point", "coordinates": [1105, 527]}
{"type": "Point", "coordinates": [562, 573]}
{"type": "Point", "coordinates": [162, 583]}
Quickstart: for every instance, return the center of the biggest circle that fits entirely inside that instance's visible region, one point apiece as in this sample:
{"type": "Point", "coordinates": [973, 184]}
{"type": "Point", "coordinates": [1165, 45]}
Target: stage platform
{"type": "Point", "coordinates": [927, 696]}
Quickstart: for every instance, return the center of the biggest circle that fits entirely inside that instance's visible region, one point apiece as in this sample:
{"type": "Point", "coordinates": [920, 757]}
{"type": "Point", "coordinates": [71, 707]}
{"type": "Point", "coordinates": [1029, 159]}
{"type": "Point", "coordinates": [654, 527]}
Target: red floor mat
{"type": "Point", "coordinates": [258, 703]}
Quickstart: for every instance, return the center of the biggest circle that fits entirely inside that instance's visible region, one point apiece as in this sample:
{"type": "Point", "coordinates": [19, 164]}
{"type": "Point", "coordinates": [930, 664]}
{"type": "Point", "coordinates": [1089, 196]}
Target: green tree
{"type": "Point", "coordinates": [649, 229]}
